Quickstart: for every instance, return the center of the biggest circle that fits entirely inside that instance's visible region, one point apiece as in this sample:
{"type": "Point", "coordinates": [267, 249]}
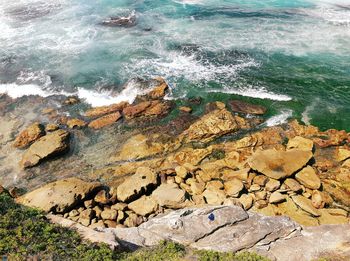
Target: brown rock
{"type": "Point", "coordinates": [109, 214]}
{"type": "Point", "coordinates": [261, 204]}
{"type": "Point", "coordinates": [197, 188]}
{"type": "Point", "coordinates": [246, 200]}
{"type": "Point", "coordinates": [103, 110]}
{"type": "Point", "coordinates": [143, 206]}
{"type": "Point", "coordinates": [214, 197]}
{"type": "Point", "coordinates": [317, 199]}
{"type": "Point", "coordinates": [212, 126]}
{"type": "Point", "coordinates": [272, 185]}
{"type": "Point", "coordinates": [105, 120]}
{"type": "Point", "coordinates": [136, 110]}
{"type": "Point", "coordinates": [160, 90]}
{"type": "Point", "coordinates": [214, 185]}
{"type": "Point", "coordinates": [181, 172]}
{"type": "Point", "coordinates": [276, 198]}
{"type": "Point", "coordinates": [98, 224]}
{"type": "Point", "coordinates": [185, 109]}
{"type": "Point", "coordinates": [51, 127]}
{"type": "Point", "coordinates": [293, 185]}
{"type": "Point", "coordinates": [136, 184]}
{"type": "Point", "coordinates": [59, 196]}
{"type": "Point", "coordinates": [300, 143]}
{"type": "Point", "coordinates": [52, 144]}
{"type": "Point", "coordinates": [242, 174]}
{"type": "Point", "coordinates": [110, 223]}
{"type": "Point", "coordinates": [254, 187]}
{"type": "Point", "coordinates": [29, 135]}
{"type": "Point", "coordinates": [86, 216]}
{"type": "Point", "coordinates": [169, 195]}
{"type": "Point", "coordinates": [307, 177]}
{"type": "Point", "coordinates": [261, 180]}
{"type": "Point", "coordinates": [233, 187]}
{"type": "Point", "coordinates": [71, 100]}
{"type": "Point", "coordinates": [102, 197]}
{"type": "Point", "coordinates": [306, 205]}
{"type": "Point", "coordinates": [260, 195]}
{"type": "Point", "coordinates": [279, 164]}
{"type": "Point", "coordinates": [248, 108]}
{"type": "Point", "coordinates": [120, 206]}
{"type": "Point", "coordinates": [342, 154]}
{"type": "Point", "coordinates": [75, 123]}
{"type": "Point", "coordinates": [340, 192]}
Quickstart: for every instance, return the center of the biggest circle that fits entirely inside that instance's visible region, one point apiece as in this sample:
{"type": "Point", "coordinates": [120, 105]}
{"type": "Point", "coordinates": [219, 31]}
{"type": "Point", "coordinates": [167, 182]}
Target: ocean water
{"type": "Point", "coordinates": [292, 56]}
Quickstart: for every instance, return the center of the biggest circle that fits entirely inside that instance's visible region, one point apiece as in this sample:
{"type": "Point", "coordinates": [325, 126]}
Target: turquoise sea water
{"type": "Point", "coordinates": [292, 56]}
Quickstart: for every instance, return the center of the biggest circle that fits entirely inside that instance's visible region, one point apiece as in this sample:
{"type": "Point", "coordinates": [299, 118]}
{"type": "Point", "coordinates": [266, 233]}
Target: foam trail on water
{"type": "Point", "coordinates": [279, 119]}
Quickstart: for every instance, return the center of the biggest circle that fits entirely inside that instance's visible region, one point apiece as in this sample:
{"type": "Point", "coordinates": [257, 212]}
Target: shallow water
{"type": "Point", "coordinates": [292, 56]}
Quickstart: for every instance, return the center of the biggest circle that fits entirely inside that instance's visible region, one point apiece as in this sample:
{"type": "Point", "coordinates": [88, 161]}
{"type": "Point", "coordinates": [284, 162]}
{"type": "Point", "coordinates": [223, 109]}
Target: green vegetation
{"type": "Point", "coordinates": [25, 232]}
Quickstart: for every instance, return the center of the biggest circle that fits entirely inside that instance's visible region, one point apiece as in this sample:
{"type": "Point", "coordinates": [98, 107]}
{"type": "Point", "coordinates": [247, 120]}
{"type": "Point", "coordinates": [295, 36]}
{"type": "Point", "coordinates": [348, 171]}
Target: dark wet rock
{"type": "Point", "coordinates": [245, 107]}
{"type": "Point", "coordinates": [121, 21]}
{"type": "Point", "coordinates": [52, 144]}
{"type": "Point", "coordinates": [59, 196]}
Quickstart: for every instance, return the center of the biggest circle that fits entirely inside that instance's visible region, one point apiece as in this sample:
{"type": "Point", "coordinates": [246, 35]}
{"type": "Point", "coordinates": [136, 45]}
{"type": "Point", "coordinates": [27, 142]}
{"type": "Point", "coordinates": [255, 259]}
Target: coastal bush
{"type": "Point", "coordinates": [205, 255]}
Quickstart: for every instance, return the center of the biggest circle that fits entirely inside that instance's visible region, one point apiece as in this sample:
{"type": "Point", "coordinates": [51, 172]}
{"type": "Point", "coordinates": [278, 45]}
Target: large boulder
{"type": "Point", "coordinates": [59, 196]}
{"type": "Point", "coordinates": [137, 184]}
{"type": "Point", "coordinates": [169, 195]}
{"type": "Point", "coordinates": [279, 164]}
{"type": "Point", "coordinates": [308, 177]}
{"type": "Point", "coordinates": [212, 125]}
{"type": "Point", "coordinates": [29, 135]}
{"type": "Point", "coordinates": [52, 144]}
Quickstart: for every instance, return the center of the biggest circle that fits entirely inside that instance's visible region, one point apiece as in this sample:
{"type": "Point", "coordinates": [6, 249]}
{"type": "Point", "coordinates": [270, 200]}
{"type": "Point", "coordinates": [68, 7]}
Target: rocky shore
{"type": "Point", "coordinates": [131, 165]}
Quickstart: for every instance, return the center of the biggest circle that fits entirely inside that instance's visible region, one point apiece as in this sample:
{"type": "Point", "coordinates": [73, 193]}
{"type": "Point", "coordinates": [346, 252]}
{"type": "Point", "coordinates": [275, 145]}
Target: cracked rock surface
{"type": "Point", "coordinates": [231, 228]}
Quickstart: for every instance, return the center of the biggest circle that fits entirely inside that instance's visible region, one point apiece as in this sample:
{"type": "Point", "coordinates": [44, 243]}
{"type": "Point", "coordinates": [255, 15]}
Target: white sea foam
{"type": "Point", "coordinates": [279, 119]}
{"type": "Point", "coordinates": [254, 92]}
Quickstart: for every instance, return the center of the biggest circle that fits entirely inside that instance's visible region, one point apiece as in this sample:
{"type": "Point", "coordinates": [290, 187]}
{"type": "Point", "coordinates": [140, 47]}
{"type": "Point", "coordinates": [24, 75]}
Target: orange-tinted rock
{"type": "Point", "coordinates": [103, 110]}
{"type": "Point", "coordinates": [105, 120]}
{"type": "Point", "coordinates": [29, 135]}
{"type": "Point", "coordinates": [160, 90]}
{"type": "Point", "coordinates": [75, 123]}
{"type": "Point", "coordinates": [135, 110]}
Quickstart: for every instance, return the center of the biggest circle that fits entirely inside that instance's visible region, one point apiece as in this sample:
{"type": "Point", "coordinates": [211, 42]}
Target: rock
{"type": "Point", "coordinates": [73, 213]}
{"type": "Point", "coordinates": [254, 187]}
{"type": "Point", "coordinates": [261, 204]}
{"type": "Point", "coordinates": [317, 199]}
{"type": "Point", "coordinates": [293, 185]}
{"type": "Point", "coordinates": [103, 110]}
{"type": "Point", "coordinates": [261, 195]}
{"type": "Point", "coordinates": [143, 206]}
{"type": "Point", "coordinates": [59, 196]}
{"type": "Point", "coordinates": [86, 216]}
{"type": "Point", "coordinates": [109, 214]}
{"type": "Point", "coordinates": [29, 135]}
{"type": "Point", "coordinates": [51, 127]}
{"type": "Point", "coordinates": [214, 185]}
{"type": "Point", "coordinates": [247, 108]}
{"type": "Point", "coordinates": [89, 203]}
{"type": "Point", "coordinates": [306, 205]}
{"type": "Point", "coordinates": [327, 218]}
{"type": "Point", "coordinates": [185, 109]}
{"type": "Point", "coordinates": [102, 197]}
{"type": "Point", "coordinates": [276, 197]}
{"type": "Point", "coordinates": [211, 126]}
{"type": "Point", "coordinates": [181, 172]}
{"type": "Point", "coordinates": [214, 196]}
{"type": "Point", "coordinates": [197, 188]}
{"type": "Point", "coordinates": [242, 174]}
{"type": "Point", "coordinates": [52, 144]}
{"type": "Point", "coordinates": [233, 187]}
{"type": "Point", "coordinates": [2, 190]}
{"type": "Point", "coordinates": [158, 91]}
{"type": "Point", "coordinates": [123, 21]}
{"type": "Point", "coordinates": [340, 192]}
{"type": "Point", "coordinates": [71, 100]}
{"type": "Point", "coordinates": [300, 143]}
{"type": "Point", "coordinates": [136, 184]}
{"type": "Point", "coordinates": [279, 164]}
{"type": "Point", "coordinates": [120, 206]}
{"type": "Point", "coordinates": [169, 195]}
{"type": "Point", "coordinates": [342, 154]}
{"type": "Point", "coordinates": [136, 110]}
{"type": "Point", "coordinates": [213, 106]}
{"type": "Point", "coordinates": [75, 123]}
{"type": "Point", "coordinates": [272, 185]}
{"type": "Point", "coordinates": [246, 200]}
{"type": "Point", "coordinates": [261, 180]}
{"type": "Point", "coordinates": [98, 211]}
{"type": "Point", "coordinates": [105, 120]}
{"type": "Point", "coordinates": [307, 177]}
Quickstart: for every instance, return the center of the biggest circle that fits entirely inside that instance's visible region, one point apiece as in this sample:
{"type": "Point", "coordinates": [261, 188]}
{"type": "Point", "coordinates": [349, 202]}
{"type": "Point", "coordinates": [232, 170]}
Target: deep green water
{"type": "Point", "coordinates": [291, 56]}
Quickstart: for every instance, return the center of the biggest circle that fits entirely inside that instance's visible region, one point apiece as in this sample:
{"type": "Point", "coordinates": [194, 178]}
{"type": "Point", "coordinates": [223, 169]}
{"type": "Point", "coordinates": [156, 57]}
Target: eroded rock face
{"type": "Point", "coordinates": [136, 184]}
{"type": "Point", "coordinates": [279, 164]}
{"type": "Point", "coordinates": [52, 144]}
{"type": "Point", "coordinates": [212, 125]}
{"type": "Point", "coordinates": [29, 135]}
{"type": "Point", "coordinates": [59, 196]}
{"type": "Point", "coordinates": [105, 120]}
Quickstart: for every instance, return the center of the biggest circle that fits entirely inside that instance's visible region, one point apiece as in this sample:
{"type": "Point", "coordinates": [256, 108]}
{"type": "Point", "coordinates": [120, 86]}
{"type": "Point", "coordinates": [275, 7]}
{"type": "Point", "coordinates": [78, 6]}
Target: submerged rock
{"type": "Point", "coordinates": [248, 108]}
{"type": "Point", "coordinates": [52, 144]}
{"type": "Point", "coordinates": [122, 21]}
{"type": "Point", "coordinates": [59, 196]}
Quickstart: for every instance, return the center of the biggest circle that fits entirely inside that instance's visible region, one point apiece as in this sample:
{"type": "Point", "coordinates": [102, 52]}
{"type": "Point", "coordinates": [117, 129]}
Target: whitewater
{"type": "Point", "coordinates": [286, 55]}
